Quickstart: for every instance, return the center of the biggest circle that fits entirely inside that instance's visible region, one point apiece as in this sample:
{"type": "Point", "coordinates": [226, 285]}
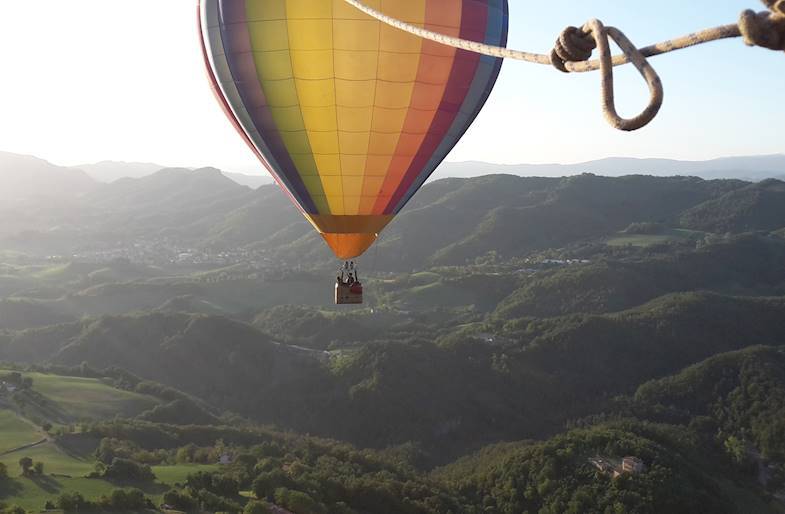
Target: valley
{"type": "Point", "coordinates": [514, 328]}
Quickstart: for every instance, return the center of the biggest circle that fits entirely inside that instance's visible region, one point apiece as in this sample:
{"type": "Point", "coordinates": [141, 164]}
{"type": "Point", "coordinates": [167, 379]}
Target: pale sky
{"type": "Point", "coordinates": [90, 80]}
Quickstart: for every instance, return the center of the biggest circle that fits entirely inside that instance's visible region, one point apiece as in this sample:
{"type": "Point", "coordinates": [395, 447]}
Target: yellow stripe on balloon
{"type": "Point", "coordinates": [399, 59]}
{"type": "Point", "coordinates": [310, 29]}
{"type": "Point", "coordinates": [356, 63]}
{"type": "Point", "coordinates": [268, 29]}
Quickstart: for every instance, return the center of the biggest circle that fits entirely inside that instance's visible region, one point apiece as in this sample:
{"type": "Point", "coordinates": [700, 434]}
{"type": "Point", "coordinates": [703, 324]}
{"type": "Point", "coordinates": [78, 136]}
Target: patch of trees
{"type": "Point", "coordinates": [182, 411]}
{"type": "Point", "coordinates": [17, 379]}
{"type": "Point", "coordinates": [306, 476]}
{"type": "Point", "coordinates": [119, 500]}
{"type": "Point", "coordinates": [110, 448]}
{"type": "Point", "coordinates": [30, 468]}
{"type": "Point", "coordinates": [124, 470]}
{"type": "Point", "coordinates": [556, 477]}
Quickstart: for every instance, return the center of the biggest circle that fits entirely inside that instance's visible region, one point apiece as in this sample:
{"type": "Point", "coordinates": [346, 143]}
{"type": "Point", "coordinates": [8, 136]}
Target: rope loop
{"type": "Point", "coordinates": [765, 29]}
{"type": "Point", "coordinates": [576, 44]}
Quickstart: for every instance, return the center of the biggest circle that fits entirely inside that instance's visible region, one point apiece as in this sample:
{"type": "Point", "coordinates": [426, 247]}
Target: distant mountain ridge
{"type": "Point", "coordinates": [25, 179]}
{"type": "Point", "coordinates": [753, 168]}
{"type": "Point", "coordinates": [449, 222]}
{"type": "Point", "coordinates": [111, 171]}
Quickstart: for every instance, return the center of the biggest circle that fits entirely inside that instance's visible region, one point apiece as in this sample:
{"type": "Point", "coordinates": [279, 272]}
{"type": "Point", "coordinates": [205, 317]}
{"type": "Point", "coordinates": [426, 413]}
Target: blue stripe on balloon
{"type": "Point", "coordinates": [234, 10]}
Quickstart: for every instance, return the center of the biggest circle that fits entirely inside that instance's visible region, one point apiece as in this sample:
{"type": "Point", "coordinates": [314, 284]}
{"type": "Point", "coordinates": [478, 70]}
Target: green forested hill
{"type": "Point", "coordinates": [477, 391]}
{"type": "Point", "coordinates": [738, 394]}
{"type": "Point", "coordinates": [579, 208]}
{"type": "Point", "coordinates": [555, 476]}
{"type": "Point", "coordinates": [745, 264]}
{"type": "Point", "coordinates": [759, 206]}
{"type": "Point", "coordinates": [711, 441]}
{"type": "Point", "coordinates": [583, 316]}
{"type": "Point", "coordinates": [451, 221]}
{"type": "Point", "coordinates": [222, 361]}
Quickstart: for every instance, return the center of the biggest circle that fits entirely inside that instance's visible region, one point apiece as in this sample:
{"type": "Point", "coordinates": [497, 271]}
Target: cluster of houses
{"type": "Point", "coordinates": [163, 251]}
{"type": "Point", "coordinates": [539, 265]}
{"type": "Point", "coordinates": [564, 262]}
{"type": "Point", "coordinates": [7, 388]}
{"type": "Point", "coordinates": [629, 465]}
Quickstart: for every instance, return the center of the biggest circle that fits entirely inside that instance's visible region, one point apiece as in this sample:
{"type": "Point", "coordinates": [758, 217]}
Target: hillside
{"type": "Point", "coordinates": [180, 350]}
{"type": "Point", "coordinates": [710, 432]}
{"type": "Point", "coordinates": [37, 421]}
{"type": "Point", "coordinates": [745, 264]}
{"type": "Point", "coordinates": [456, 221]}
{"type": "Point", "coordinates": [758, 206]}
{"type": "Point", "coordinates": [683, 471]}
{"type": "Point", "coordinates": [371, 395]}
{"type": "Point", "coordinates": [557, 476]}
{"type": "Point", "coordinates": [449, 222]}
{"type": "Point", "coordinates": [737, 394]}
{"type": "Point", "coordinates": [514, 328]}
{"type": "Point", "coordinates": [59, 399]}
{"type": "Point", "coordinates": [453, 221]}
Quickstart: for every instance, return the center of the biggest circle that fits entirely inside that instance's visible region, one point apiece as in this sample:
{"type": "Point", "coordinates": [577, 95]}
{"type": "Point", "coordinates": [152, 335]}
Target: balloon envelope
{"type": "Point", "coordinates": [349, 115]}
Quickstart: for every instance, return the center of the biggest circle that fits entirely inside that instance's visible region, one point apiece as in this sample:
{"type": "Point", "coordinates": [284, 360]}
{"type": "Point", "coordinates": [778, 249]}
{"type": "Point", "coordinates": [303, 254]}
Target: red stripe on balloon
{"type": "Point", "coordinates": [474, 19]}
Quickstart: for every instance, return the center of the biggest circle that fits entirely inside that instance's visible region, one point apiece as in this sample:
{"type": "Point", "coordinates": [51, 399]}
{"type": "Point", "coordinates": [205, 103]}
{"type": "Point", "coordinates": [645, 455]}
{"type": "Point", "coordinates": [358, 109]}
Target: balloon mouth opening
{"type": "Point", "coordinates": [348, 246]}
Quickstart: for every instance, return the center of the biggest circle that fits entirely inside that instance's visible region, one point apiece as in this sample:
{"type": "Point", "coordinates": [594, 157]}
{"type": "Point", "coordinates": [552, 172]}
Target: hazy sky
{"type": "Point", "coordinates": [89, 80]}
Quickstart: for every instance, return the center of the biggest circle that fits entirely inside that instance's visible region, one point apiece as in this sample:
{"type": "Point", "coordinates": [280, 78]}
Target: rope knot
{"type": "Point", "coordinates": [573, 45]}
{"type": "Point", "coordinates": [765, 29]}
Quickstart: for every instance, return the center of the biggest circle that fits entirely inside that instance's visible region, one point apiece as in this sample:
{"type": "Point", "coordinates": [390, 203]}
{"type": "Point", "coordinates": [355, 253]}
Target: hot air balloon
{"type": "Point", "coordinates": [349, 115]}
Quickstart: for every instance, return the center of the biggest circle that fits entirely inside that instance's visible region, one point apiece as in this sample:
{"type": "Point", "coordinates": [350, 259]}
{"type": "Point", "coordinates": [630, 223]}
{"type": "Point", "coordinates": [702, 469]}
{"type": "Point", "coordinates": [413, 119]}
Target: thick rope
{"type": "Point", "coordinates": [574, 48]}
{"type": "Point", "coordinates": [600, 35]}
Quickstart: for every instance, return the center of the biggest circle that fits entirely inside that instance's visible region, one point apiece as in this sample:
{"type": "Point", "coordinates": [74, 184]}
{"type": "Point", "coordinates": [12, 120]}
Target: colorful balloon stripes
{"type": "Point", "coordinates": [349, 115]}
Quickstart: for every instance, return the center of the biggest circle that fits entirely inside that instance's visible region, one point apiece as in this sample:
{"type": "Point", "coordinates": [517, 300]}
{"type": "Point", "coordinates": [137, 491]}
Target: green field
{"type": "Point", "coordinates": [66, 398]}
{"type": "Point", "coordinates": [69, 471]}
{"type": "Point", "coordinates": [76, 398]}
{"type": "Point", "coordinates": [66, 473]}
{"type": "Point", "coordinates": [89, 398]}
{"type": "Point", "coordinates": [15, 432]}
{"type": "Point", "coordinates": [644, 240]}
